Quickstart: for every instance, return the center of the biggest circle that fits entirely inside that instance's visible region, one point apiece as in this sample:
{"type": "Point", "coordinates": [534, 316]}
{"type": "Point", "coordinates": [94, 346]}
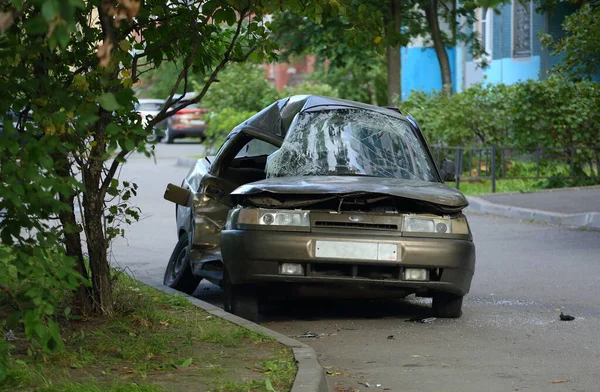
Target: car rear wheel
{"type": "Point", "coordinates": [241, 300]}
{"type": "Point", "coordinates": [447, 305]}
{"type": "Point", "coordinates": [168, 138]}
{"type": "Point", "coordinates": [178, 274]}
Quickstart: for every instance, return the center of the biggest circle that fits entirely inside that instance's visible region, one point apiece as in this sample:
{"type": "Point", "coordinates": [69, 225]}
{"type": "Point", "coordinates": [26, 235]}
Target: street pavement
{"type": "Point", "coordinates": [565, 201]}
{"type": "Point", "coordinates": [509, 338]}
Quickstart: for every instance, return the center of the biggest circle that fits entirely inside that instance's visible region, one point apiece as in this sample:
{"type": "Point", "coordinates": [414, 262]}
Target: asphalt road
{"type": "Point", "coordinates": [509, 338]}
{"type": "Point", "coordinates": [567, 201]}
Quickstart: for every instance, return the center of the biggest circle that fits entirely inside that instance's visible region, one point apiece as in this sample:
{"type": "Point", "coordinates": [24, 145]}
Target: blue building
{"type": "Point", "coordinates": [509, 36]}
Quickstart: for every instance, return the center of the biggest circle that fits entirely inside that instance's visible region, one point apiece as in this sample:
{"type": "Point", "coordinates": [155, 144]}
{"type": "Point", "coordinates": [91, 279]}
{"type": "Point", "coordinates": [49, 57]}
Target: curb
{"type": "Point", "coordinates": [585, 220]}
{"type": "Point", "coordinates": [310, 376]}
{"type": "Point", "coordinates": [186, 162]}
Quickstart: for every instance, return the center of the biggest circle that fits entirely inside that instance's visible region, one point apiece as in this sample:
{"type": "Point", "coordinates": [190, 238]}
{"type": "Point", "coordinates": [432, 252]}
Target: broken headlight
{"type": "Point", "coordinates": [425, 224]}
{"type": "Point", "coordinates": [266, 217]}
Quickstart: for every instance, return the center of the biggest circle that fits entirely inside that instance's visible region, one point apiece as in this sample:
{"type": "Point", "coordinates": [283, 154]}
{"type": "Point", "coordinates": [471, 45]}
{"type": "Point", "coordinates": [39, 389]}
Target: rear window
{"type": "Point", "coordinates": [149, 107]}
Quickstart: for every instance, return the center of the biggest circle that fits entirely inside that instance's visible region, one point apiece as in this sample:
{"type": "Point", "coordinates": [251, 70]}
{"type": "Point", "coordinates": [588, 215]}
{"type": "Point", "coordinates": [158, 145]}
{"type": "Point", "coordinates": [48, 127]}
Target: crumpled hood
{"type": "Point", "coordinates": [431, 192]}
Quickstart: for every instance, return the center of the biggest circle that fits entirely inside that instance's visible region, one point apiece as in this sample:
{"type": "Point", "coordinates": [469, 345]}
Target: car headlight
{"type": "Point", "coordinates": [264, 217]}
{"type": "Point", "coordinates": [422, 224]}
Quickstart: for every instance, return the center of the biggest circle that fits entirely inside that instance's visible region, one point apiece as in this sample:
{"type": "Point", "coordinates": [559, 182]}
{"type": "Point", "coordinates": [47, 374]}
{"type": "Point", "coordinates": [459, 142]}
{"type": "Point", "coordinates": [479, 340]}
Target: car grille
{"type": "Point", "coordinates": [366, 271]}
{"type": "Point", "coordinates": [357, 225]}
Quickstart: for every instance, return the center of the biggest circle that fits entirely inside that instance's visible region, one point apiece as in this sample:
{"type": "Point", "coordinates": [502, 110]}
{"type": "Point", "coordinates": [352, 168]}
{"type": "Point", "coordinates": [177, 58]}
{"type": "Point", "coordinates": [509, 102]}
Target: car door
{"type": "Point", "coordinates": [239, 161]}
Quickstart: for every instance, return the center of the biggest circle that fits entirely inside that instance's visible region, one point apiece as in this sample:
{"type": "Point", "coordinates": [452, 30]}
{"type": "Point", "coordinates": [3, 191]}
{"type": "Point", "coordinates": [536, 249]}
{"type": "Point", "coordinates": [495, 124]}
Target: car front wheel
{"type": "Point", "coordinates": [178, 274]}
{"type": "Point", "coordinates": [447, 305]}
{"type": "Point", "coordinates": [241, 300]}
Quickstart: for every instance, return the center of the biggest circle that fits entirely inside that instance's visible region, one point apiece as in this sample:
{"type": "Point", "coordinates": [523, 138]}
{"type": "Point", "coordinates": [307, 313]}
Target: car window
{"type": "Point", "coordinates": [256, 148]}
{"type": "Point", "coordinates": [154, 106]}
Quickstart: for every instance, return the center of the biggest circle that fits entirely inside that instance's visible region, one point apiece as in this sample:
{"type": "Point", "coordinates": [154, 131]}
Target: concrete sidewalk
{"type": "Point", "coordinates": [570, 207]}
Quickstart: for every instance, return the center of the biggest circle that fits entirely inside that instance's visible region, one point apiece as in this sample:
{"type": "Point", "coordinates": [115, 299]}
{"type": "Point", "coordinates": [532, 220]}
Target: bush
{"type": "Point", "coordinates": [241, 87]}
{"type": "Point", "coordinates": [357, 81]}
{"type": "Point", "coordinates": [549, 113]}
{"type": "Point", "coordinates": [480, 114]}
{"type": "Point", "coordinates": [310, 88]}
{"type": "Point", "coordinates": [222, 122]}
{"type": "Point", "coordinates": [34, 284]}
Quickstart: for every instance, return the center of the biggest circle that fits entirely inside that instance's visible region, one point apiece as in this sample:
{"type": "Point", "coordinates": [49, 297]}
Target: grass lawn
{"type": "Point", "coordinates": [157, 342]}
{"type": "Point", "coordinates": [502, 186]}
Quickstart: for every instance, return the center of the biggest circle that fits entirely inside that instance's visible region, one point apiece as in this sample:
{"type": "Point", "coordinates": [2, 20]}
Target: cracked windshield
{"type": "Point", "coordinates": [351, 143]}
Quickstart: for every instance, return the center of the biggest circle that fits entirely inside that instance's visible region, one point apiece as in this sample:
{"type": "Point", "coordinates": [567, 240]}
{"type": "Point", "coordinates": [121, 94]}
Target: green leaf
{"type": "Point", "coordinates": [186, 363]}
{"type": "Point", "coordinates": [225, 15]}
{"type": "Point", "coordinates": [77, 4]}
{"type": "Point", "coordinates": [49, 10]}
{"type": "Point", "coordinates": [62, 35]}
{"type": "Point", "coordinates": [87, 119]}
{"type": "Point", "coordinates": [129, 144]}
{"type": "Point", "coordinates": [108, 102]}
{"type": "Point", "coordinates": [113, 129]}
{"type": "Point", "coordinates": [269, 385]}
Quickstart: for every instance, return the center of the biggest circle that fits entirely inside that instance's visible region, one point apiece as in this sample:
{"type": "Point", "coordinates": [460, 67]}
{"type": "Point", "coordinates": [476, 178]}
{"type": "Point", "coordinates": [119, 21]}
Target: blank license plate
{"type": "Point", "coordinates": [197, 122]}
{"type": "Point", "coordinates": [356, 250]}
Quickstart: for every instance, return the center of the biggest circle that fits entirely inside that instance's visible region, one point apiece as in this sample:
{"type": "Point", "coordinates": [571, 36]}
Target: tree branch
{"type": "Point", "coordinates": [183, 76]}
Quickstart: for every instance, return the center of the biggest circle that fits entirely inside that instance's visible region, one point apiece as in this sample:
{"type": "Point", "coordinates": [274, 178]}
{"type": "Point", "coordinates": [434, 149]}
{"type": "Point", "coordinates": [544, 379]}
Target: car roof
{"type": "Point", "coordinates": [151, 100]}
{"type": "Point", "coordinates": [186, 97]}
{"type": "Point", "coordinates": [276, 118]}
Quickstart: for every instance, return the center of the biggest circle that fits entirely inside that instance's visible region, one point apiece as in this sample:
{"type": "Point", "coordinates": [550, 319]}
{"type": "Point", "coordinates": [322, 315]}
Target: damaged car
{"type": "Point", "coordinates": [317, 196]}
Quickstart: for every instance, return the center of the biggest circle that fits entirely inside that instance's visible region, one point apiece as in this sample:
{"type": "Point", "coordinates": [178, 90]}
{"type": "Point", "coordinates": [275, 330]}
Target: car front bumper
{"type": "Point", "coordinates": [253, 257]}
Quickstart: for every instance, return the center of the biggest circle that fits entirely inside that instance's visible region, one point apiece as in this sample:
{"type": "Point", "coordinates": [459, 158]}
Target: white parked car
{"type": "Point", "coordinates": [151, 107]}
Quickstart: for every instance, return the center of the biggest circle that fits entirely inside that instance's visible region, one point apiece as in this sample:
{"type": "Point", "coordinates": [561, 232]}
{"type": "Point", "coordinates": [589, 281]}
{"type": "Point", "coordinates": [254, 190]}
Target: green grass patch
{"type": "Point", "coordinates": [524, 186]}
{"type": "Point", "coordinates": [502, 186]}
{"type": "Point", "coordinates": [156, 342]}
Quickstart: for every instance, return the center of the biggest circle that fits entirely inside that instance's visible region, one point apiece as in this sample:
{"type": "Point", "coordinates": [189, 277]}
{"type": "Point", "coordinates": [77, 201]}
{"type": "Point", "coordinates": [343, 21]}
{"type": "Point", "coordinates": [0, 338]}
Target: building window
{"type": "Point", "coordinates": [484, 28]}
{"type": "Point", "coordinates": [521, 29]}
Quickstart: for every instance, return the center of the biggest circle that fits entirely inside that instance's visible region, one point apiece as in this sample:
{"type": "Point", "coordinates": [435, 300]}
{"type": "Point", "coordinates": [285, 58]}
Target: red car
{"type": "Point", "coordinates": [187, 122]}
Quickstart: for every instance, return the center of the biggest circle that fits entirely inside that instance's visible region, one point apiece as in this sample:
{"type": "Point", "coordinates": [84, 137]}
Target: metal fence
{"type": "Point", "coordinates": [517, 163]}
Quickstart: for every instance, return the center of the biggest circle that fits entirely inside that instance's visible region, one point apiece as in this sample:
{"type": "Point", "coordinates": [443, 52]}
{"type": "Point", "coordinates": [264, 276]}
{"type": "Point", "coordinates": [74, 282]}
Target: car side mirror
{"type": "Point", "coordinates": [177, 195]}
{"type": "Point", "coordinates": [447, 170]}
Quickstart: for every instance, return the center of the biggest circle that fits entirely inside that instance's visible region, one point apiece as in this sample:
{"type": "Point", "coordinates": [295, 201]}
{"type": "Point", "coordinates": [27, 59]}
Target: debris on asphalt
{"type": "Point", "coordinates": [336, 373]}
{"type": "Point", "coordinates": [420, 356]}
{"type": "Point", "coordinates": [391, 337]}
{"type": "Point", "coordinates": [558, 381]}
{"type": "Point", "coordinates": [566, 317]}
{"type": "Point", "coordinates": [366, 384]}
{"type": "Point", "coordinates": [421, 320]}
{"type": "Point", "coordinates": [313, 335]}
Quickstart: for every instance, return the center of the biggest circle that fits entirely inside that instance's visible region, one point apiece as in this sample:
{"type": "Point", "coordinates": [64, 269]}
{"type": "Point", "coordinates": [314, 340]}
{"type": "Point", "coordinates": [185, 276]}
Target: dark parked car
{"type": "Point", "coordinates": [187, 122]}
{"type": "Point", "coordinates": [316, 196]}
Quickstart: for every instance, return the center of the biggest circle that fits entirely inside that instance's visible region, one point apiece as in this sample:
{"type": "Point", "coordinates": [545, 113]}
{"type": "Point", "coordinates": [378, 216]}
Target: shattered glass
{"type": "Point", "coordinates": [351, 142]}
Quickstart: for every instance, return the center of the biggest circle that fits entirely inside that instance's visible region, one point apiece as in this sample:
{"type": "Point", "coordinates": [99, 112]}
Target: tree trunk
{"type": "Point", "coordinates": [394, 62]}
{"type": "Point", "coordinates": [82, 299]}
{"type": "Point", "coordinates": [431, 14]}
{"type": "Point", "coordinates": [93, 205]}
{"type": "Point", "coordinates": [97, 250]}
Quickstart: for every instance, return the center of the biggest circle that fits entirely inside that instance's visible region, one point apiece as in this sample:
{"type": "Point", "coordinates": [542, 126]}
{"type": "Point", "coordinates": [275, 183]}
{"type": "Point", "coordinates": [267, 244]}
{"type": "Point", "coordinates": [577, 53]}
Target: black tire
{"type": "Point", "coordinates": [241, 300]}
{"type": "Point", "coordinates": [178, 274]}
{"type": "Point", "coordinates": [447, 305]}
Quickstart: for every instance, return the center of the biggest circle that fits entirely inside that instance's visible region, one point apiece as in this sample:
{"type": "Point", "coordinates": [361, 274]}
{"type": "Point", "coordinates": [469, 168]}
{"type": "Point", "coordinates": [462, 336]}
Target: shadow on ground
{"type": "Point", "coordinates": [328, 308]}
